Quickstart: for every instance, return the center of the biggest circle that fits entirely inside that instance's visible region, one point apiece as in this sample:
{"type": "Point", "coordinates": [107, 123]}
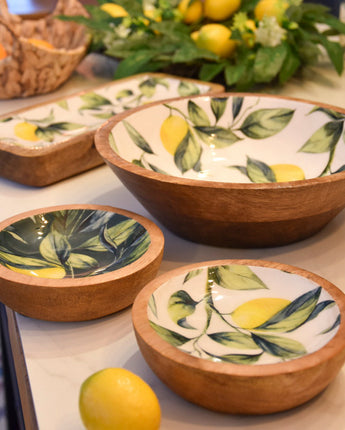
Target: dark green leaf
{"type": "Point", "coordinates": [237, 103]}
{"type": "Point", "coordinates": [137, 138]}
{"type": "Point", "coordinates": [278, 346]}
{"type": "Point", "coordinates": [234, 339]}
{"type": "Point", "coordinates": [192, 274]}
{"type": "Point", "coordinates": [235, 277]}
{"type": "Point", "coordinates": [331, 113]}
{"type": "Point", "coordinates": [218, 106]}
{"type": "Point", "coordinates": [268, 62]}
{"type": "Point", "coordinates": [333, 326]}
{"type": "Point", "coordinates": [186, 88]}
{"type": "Point", "coordinates": [324, 139]}
{"type": "Point", "coordinates": [293, 315]}
{"type": "Point", "coordinates": [290, 65]}
{"type": "Point", "coordinates": [175, 339]}
{"type": "Point", "coordinates": [264, 123]}
{"type": "Point", "coordinates": [188, 153]}
{"type": "Point", "coordinates": [216, 137]}
{"type": "Point", "coordinates": [209, 71]}
{"type": "Point", "coordinates": [93, 100]}
{"type": "Point", "coordinates": [259, 172]}
{"type": "Point", "coordinates": [197, 115]}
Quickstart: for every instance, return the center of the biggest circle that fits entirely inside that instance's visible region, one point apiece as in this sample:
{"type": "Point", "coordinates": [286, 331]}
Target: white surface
{"type": "Point", "coordinates": [59, 356]}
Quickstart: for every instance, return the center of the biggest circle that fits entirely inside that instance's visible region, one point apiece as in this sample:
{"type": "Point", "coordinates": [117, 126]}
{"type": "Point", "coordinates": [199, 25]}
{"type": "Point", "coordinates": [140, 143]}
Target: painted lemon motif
{"type": "Point", "coordinates": [191, 12]}
{"type": "Point", "coordinates": [255, 312]}
{"type": "Point", "coordinates": [172, 132]}
{"type": "Point", "coordinates": [270, 8]}
{"type": "Point", "coordinates": [218, 10]}
{"type": "Point", "coordinates": [115, 398]}
{"type": "Point", "coordinates": [215, 38]}
{"type": "Point", "coordinates": [114, 10]}
{"type": "Point", "coordinates": [41, 43]}
{"type": "Point", "coordinates": [26, 131]}
{"type": "Point", "coordinates": [57, 272]}
{"type": "Point", "coordinates": [287, 172]}
{"type": "Point", "coordinates": [3, 52]}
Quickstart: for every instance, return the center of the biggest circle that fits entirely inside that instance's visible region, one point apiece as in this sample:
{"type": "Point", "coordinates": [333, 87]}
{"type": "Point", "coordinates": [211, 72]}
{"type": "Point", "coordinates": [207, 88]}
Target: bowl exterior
{"type": "Point", "coordinates": [236, 394]}
{"type": "Point", "coordinates": [83, 298]}
{"type": "Point", "coordinates": [239, 388]}
{"type": "Point", "coordinates": [235, 216]}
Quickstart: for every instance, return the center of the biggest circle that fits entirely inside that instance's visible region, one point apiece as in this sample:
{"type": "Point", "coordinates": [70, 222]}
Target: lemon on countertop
{"type": "Point", "coordinates": [117, 399]}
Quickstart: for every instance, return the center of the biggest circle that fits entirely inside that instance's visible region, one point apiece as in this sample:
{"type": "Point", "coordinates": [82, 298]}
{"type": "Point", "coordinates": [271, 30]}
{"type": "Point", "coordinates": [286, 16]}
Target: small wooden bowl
{"type": "Point", "coordinates": [242, 336]}
{"type": "Point", "coordinates": [76, 262]}
{"type": "Point", "coordinates": [243, 170]}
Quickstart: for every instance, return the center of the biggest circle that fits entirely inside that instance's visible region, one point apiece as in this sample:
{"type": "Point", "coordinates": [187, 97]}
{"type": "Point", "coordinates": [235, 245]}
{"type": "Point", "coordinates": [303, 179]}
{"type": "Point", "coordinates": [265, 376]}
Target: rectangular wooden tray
{"type": "Point", "coordinates": [53, 141]}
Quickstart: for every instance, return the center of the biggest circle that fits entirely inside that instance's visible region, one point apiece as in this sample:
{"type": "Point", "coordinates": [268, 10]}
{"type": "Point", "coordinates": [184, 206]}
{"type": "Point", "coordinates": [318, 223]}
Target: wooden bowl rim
{"type": "Point", "coordinates": [36, 152]}
{"type": "Point", "coordinates": [149, 336]}
{"type": "Point", "coordinates": [149, 257]}
{"type": "Point", "coordinates": [112, 158]}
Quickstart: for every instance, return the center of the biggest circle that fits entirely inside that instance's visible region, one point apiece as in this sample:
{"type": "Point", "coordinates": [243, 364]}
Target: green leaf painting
{"type": "Point", "coordinates": [264, 123]}
{"type": "Point", "coordinates": [77, 242]}
{"type": "Point", "coordinates": [203, 322]}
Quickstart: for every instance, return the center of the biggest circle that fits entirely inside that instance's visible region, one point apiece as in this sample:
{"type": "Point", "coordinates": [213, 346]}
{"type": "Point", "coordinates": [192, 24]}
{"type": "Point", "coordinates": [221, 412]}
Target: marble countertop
{"type": "Point", "coordinates": [59, 356]}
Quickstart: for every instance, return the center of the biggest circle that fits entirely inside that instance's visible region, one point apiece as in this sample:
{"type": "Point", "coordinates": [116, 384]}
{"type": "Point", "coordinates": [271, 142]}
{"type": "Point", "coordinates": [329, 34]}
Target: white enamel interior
{"type": "Point", "coordinates": [280, 284]}
{"type": "Point", "coordinates": [282, 148]}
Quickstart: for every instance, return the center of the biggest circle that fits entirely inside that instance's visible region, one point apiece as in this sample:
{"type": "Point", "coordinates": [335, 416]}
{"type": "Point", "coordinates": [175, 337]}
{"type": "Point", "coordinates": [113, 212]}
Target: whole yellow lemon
{"type": "Point", "coordinates": [219, 10]}
{"type": "Point", "coordinates": [191, 12]}
{"type": "Point", "coordinates": [172, 132]}
{"type": "Point", "coordinates": [215, 38]}
{"type": "Point", "coordinates": [255, 312]}
{"type": "Point", "coordinates": [287, 172]}
{"type": "Point", "coordinates": [117, 399]}
{"type": "Point", "coordinates": [270, 8]}
{"type": "Point", "coordinates": [115, 10]}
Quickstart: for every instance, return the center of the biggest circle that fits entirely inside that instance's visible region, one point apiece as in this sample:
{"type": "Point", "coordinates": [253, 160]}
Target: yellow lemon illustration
{"type": "Point", "coordinates": [218, 10]}
{"type": "Point", "coordinates": [172, 132]}
{"type": "Point", "coordinates": [215, 38]}
{"type": "Point", "coordinates": [287, 172]}
{"type": "Point", "coordinates": [57, 272]}
{"type": "Point", "coordinates": [270, 8]}
{"type": "Point", "coordinates": [3, 53]}
{"type": "Point", "coordinates": [114, 10]}
{"type": "Point", "coordinates": [257, 311]}
{"type": "Point", "coordinates": [26, 131]}
{"type": "Point", "coordinates": [191, 12]}
{"type": "Point", "coordinates": [41, 43]}
{"type": "Point", "coordinates": [115, 398]}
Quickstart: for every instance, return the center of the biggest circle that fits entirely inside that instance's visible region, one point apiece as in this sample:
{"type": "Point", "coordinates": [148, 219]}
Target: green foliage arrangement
{"type": "Point", "coordinates": [271, 40]}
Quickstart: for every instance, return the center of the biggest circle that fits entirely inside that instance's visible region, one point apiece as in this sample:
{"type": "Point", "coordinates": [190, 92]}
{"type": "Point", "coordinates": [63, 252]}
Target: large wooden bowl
{"type": "Point", "coordinates": [242, 336]}
{"type": "Point", "coordinates": [242, 171]}
{"type": "Point", "coordinates": [76, 262]}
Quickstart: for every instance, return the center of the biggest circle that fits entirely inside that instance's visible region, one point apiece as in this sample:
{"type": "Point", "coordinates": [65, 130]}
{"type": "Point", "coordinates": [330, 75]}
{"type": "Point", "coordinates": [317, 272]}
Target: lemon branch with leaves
{"type": "Point", "coordinates": [242, 43]}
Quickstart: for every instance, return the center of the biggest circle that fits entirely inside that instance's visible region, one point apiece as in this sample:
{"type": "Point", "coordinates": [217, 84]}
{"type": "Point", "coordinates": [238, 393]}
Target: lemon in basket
{"type": "Point", "coordinates": [114, 10]}
{"type": "Point", "coordinates": [221, 9]}
{"type": "Point", "coordinates": [117, 399]}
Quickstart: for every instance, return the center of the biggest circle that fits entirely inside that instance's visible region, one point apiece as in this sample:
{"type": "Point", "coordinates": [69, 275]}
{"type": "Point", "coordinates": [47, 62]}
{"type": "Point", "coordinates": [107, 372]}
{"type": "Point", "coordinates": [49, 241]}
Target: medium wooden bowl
{"type": "Point", "coordinates": [242, 336]}
{"type": "Point", "coordinates": [243, 170]}
{"type": "Point", "coordinates": [76, 262]}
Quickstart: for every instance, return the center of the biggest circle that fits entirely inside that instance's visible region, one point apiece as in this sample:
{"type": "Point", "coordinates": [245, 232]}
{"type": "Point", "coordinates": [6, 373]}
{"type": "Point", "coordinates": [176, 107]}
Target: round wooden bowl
{"type": "Point", "coordinates": [242, 336]}
{"type": "Point", "coordinates": [242, 171]}
{"type": "Point", "coordinates": [76, 262]}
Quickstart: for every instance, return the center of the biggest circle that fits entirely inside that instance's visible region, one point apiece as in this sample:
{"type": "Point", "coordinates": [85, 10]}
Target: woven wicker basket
{"type": "Point", "coordinates": [29, 69]}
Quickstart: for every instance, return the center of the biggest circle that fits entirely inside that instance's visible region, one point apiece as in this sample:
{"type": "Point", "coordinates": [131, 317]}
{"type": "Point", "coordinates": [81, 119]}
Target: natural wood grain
{"type": "Point", "coordinates": [240, 389]}
{"type": "Point", "coordinates": [81, 299]}
{"type": "Point", "coordinates": [229, 214]}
